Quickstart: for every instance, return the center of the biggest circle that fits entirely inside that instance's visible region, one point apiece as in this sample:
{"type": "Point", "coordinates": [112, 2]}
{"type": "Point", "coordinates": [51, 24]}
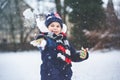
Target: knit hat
{"type": "Point", "coordinates": [53, 17]}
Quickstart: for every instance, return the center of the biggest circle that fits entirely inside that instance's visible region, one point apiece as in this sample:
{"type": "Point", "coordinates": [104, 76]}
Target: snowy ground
{"type": "Point", "coordinates": [25, 66]}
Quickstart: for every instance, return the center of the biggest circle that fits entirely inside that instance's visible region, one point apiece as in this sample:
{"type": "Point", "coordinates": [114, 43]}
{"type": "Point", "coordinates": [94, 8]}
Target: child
{"type": "Point", "coordinates": [56, 51]}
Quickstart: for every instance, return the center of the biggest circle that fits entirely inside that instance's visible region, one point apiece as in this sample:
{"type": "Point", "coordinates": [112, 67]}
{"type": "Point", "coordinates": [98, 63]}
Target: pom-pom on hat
{"type": "Point", "coordinates": [53, 17]}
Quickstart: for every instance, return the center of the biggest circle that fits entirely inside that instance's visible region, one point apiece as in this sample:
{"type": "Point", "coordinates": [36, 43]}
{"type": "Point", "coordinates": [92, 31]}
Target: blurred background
{"type": "Point", "coordinates": [91, 23]}
{"type": "Point", "coordinates": [94, 24]}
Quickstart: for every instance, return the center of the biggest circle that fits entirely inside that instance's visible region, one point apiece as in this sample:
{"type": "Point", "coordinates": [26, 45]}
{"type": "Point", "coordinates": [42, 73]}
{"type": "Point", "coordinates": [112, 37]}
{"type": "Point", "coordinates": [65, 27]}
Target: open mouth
{"type": "Point", "coordinates": [54, 31]}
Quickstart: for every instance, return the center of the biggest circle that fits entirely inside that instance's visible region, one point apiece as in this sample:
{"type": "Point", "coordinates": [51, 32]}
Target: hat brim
{"type": "Point", "coordinates": [43, 28]}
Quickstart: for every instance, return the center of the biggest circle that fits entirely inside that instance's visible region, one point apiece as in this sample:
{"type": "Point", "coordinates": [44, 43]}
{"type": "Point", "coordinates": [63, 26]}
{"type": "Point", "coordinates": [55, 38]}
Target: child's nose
{"type": "Point", "coordinates": [55, 27]}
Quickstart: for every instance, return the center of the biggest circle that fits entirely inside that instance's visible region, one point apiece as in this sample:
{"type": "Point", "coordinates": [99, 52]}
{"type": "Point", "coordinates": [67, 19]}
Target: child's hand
{"type": "Point", "coordinates": [83, 53]}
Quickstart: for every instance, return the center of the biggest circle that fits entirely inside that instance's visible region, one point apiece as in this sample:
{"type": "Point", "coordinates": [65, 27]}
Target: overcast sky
{"type": "Point", "coordinates": [115, 2]}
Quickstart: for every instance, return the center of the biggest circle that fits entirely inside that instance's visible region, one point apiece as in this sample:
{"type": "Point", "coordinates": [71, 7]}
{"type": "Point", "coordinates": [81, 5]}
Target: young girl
{"type": "Point", "coordinates": [56, 51]}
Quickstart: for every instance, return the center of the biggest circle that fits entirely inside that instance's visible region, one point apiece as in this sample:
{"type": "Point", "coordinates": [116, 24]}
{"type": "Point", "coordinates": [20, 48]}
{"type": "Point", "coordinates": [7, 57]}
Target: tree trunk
{"type": "Point", "coordinates": [19, 21]}
{"type": "Point", "coordinates": [58, 6]}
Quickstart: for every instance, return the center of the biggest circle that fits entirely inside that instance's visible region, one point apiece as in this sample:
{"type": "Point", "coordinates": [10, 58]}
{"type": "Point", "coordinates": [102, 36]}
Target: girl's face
{"type": "Point", "coordinates": [55, 28]}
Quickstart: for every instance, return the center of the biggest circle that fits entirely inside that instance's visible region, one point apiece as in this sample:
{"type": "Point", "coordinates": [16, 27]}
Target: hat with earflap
{"type": "Point", "coordinates": [49, 19]}
{"type": "Point", "coordinates": [53, 17]}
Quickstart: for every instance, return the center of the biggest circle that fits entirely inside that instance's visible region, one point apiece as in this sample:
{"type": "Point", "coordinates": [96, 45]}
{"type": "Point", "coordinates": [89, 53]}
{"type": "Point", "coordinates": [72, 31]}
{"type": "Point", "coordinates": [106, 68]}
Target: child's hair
{"type": "Point", "coordinates": [53, 17]}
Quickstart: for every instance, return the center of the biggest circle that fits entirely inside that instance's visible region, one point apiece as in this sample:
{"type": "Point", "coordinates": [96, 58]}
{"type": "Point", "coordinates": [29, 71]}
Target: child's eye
{"type": "Point", "coordinates": [52, 25]}
{"type": "Point", "coordinates": [58, 26]}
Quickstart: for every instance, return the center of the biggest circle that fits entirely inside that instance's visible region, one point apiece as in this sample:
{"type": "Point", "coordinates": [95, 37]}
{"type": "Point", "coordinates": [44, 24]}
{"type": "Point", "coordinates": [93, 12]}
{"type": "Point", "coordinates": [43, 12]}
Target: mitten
{"type": "Point", "coordinates": [83, 53]}
{"type": "Point", "coordinates": [36, 42]}
{"type": "Point", "coordinates": [39, 41]}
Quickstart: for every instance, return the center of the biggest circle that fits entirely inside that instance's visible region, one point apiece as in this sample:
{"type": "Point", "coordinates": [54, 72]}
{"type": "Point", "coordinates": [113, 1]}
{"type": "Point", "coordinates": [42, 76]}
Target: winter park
{"type": "Point", "coordinates": [79, 42]}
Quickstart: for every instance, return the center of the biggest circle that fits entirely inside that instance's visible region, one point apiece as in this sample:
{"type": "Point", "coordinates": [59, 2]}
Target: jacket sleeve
{"type": "Point", "coordinates": [76, 55]}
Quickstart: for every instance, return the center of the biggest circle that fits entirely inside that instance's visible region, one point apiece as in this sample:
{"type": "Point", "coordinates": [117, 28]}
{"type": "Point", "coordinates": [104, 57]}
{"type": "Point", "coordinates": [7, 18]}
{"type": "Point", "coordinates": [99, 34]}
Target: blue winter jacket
{"type": "Point", "coordinates": [54, 68]}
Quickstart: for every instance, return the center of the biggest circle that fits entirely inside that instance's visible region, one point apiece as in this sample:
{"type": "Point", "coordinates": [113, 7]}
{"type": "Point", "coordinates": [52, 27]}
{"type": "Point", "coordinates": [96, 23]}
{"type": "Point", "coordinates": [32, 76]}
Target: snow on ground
{"type": "Point", "coordinates": [26, 66]}
{"type": "Point", "coordinates": [99, 66]}
{"type": "Point", "coordinates": [20, 66]}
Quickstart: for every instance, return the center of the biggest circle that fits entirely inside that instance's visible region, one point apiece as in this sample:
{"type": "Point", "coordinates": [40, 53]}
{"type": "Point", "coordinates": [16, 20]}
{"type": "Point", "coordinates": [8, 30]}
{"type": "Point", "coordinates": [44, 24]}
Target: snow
{"type": "Point", "coordinates": [101, 65]}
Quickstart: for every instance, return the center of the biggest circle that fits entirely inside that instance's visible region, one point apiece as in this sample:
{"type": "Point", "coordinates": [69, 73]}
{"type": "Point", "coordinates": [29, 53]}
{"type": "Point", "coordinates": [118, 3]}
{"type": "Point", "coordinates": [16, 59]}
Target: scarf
{"type": "Point", "coordinates": [63, 47]}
